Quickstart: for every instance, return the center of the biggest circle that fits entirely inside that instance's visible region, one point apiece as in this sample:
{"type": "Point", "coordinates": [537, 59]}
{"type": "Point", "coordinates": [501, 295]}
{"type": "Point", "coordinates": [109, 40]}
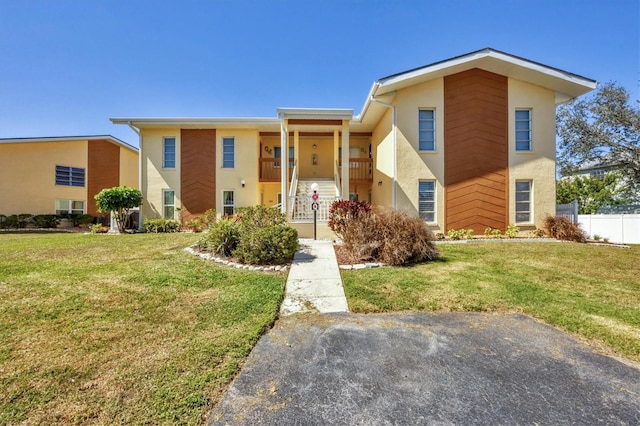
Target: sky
{"type": "Point", "coordinates": [67, 66]}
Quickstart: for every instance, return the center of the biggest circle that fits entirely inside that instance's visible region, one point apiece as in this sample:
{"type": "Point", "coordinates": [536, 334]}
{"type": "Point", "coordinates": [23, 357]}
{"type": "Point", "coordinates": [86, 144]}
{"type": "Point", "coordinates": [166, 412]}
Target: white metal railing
{"type": "Point", "coordinates": [301, 208]}
{"type": "Point", "coordinates": [292, 191]}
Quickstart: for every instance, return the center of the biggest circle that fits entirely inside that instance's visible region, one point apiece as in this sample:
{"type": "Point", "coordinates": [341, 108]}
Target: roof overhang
{"type": "Point", "coordinates": [262, 124]}
{"type": "Point", "coordinates": [109, 138]}
{"type": "Point", "coordinates": [566, 85]}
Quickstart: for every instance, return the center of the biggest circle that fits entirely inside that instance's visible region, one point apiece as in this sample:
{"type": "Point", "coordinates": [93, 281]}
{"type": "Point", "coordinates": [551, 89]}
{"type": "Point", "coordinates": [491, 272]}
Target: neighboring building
{"type": "Point", "coordinates": [468, 142]}
{"type": "Point", "coordinates": [62, 174]}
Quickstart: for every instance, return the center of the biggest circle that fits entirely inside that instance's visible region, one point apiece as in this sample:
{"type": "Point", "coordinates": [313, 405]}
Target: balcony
{"type": "Point", "coordinates": [270, 170]}
{"type": "Point", "coordinates": [360, 170]}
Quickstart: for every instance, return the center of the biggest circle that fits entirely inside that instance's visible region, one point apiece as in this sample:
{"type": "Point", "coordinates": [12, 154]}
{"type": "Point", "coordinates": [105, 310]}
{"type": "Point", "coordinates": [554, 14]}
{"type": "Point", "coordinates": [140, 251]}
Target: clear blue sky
{"type": "Point", "coordinates": [67, 66]}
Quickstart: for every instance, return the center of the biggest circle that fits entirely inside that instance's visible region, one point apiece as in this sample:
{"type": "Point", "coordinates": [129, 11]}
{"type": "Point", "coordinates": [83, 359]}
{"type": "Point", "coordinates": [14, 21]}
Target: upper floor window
{"type": "Point", "coordinates": [69, 176]}
{"type": "Point", "coordinates": [523, 130]}
{"type": "Point", "coordinates": [228, 153]}
{"type": "Point", "coordinates": [598, 174]}
{"type": "Point", "coordinates": [169, 153]}
{"type": "Point", "coordinates": [427, 200]}
{"type": "Point", "coordinates": [277, 153]}
{"type": "Point", "coordinates": [427, 130]}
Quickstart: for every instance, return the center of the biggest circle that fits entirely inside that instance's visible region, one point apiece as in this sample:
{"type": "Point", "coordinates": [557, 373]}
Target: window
{"type": "Point", "coordinates": [228, 153]}
{"type": "Point", "coordinates": [427, 130]}
{"type": "Point", "coordinates": [427, 200]}
{"type": "Point", "coordinates": [69, 176]}
{"type": "Point", "coordinates": [169, 153]}
{"type": "Point", "coordinates": [523, 130]}
{"type": "Point", "coordinates": [277, 153]}
{"type": "Point", "coordinates": [168, 203]}
{"type": "Point", "coordinates": [523, 201]}
{"type": "Point", "coordinates": [228, 205]}
{"type": "Point", "coordinates": [598, 174]}
{"type": "Point", "coordinates": [67, 207]}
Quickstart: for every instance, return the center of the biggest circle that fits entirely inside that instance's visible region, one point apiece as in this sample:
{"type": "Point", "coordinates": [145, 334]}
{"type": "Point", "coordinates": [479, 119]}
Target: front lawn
{"type": "Point", "coordinates": [101, 329]}
{"type": "Point", "coordinates": [591, 291]}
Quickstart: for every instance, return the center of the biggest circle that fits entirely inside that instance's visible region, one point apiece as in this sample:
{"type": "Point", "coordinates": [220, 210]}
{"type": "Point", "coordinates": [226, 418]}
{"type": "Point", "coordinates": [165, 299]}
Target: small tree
{"type": "Point", "coordinates": [119, 200]}
{"type": "Point", "coordinates": [591, 192]}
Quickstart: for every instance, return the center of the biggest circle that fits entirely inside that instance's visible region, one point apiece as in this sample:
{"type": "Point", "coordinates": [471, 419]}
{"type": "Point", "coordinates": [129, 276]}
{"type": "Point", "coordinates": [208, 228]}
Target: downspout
{"type": "Point", "coordinates": [394, 147]}
{"type": "Point", "coordinates": [137, 131]}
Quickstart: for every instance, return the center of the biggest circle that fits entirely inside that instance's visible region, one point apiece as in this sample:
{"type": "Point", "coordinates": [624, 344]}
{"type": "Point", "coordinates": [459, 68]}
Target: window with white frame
{"type": "Point", "coordinates": [523, 201]}
{"type": "Point", "coordinates": [427, 200]}
{"type": "Point", "coordinates": [228, 153]}
{"type": "Point", "coordinates": [67, 207]}
{"type": "Point", "coordinates": [427, 130]}
{"type": "Point", "coordinates": [168, 203]}
{"type": "Point", "coordinates": [523, 130]}
{"type": "Point", "coordinates": [70, 176]}
{"type": "Point", "coordinates": [169, 153]}
{"type": "Point", "coordinates": [228, 203]}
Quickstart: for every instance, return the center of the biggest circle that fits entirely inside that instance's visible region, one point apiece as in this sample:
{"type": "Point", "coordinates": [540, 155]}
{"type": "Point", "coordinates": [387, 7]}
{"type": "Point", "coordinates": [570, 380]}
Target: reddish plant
{"type": "Point", "coordinates": [561, 228]}
{"type": "Point", "coordinates": [342, 212]}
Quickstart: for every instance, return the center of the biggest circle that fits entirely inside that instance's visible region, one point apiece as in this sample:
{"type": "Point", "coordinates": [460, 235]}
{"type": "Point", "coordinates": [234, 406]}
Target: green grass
{"type": "Point", "coordinates": [590, 291]}
{"type": "Point", "coordinates": [101, 329]}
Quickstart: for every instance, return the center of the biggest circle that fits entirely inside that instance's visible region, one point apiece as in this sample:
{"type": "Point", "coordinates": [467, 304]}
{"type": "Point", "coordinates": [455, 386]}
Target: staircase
{"type": "Point", "coordinates": [301, 204]}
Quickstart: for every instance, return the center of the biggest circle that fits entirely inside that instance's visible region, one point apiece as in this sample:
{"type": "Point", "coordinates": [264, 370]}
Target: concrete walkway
{"type": "Point", "coordinates": [314, 283]}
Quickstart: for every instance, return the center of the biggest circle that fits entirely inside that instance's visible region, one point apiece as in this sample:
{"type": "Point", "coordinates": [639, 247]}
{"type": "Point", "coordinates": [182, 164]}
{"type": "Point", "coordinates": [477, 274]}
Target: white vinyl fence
{"type": "Point", "coordinates": [618, 228]}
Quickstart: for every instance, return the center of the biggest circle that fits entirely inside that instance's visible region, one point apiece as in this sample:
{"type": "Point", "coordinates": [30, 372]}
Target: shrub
{"type": "Point", "coordinates": [388, 236]}
{"type": "Point", "coordinates": [222, 238]}
{"type": "Point", "coordinates": [512, 231]}
{"type": "Point", "coordinates": [10, 222]}
{"type": "Point", "coordinates": [562, 228]}
{"type": "Point", "coordinates": [81, 219]}
{"type": "Point", "coordinates": [195, 225]}
{"type": "Point", "coordinates": [161, 225]}
{"type": "Point", "coordinates": [537, 233]}
{"type": "Point", "coordinates": [487, 232]}
{"type": "Point", "coordinates": [461, 234]}
{"type": "Point", "coordinates": [24, 219]}
{"type": "Point", "coordinates": [343, 212]}
{"type": "Point", "coordinates": [258, 217]}
{"type": "Point", "coordinates": [269, 245]}
{"type": "Point", "coordinates": [596, 237]}
{"type": "Point", "coordinates": [46, 220]}
{"type": "Point", "coordinates": [99, 229]}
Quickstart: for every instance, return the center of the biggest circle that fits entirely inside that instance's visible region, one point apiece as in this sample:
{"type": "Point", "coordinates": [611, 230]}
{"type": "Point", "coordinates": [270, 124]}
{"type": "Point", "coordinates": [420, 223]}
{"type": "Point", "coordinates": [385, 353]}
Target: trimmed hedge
{"type": "Point", "coordinates": [161, 225]}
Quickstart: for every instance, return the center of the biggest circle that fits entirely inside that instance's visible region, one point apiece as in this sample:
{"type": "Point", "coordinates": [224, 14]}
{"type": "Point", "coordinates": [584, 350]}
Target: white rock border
{"type": "Point", "coordinates": [226, 262]}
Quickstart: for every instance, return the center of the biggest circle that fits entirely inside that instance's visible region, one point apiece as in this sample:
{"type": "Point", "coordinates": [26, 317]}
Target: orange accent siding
{"type": "Point", "coordinates": [103, 170]}
{"type": "Point", "coordinates": [476, 151]}
{"type": "Point", "coordinates": [197, 171]}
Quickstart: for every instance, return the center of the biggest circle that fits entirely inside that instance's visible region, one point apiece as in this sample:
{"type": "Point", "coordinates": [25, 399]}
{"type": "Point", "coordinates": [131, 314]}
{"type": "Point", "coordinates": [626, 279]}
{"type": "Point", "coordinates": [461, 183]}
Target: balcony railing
{"type": "Point", "coordinates": [360, 169]}
{"type": "Point", "coordinates": [270, 169]}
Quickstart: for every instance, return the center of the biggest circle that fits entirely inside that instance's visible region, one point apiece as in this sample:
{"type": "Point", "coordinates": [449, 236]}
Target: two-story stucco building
{"type": "Point", "coordinates": [61, 175]}
{"type": "Point", "coordinates": [468, 142]}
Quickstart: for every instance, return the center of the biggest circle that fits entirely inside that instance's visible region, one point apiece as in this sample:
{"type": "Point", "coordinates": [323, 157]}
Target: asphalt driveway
{"type": "Point", "coordinates": [458, 368]}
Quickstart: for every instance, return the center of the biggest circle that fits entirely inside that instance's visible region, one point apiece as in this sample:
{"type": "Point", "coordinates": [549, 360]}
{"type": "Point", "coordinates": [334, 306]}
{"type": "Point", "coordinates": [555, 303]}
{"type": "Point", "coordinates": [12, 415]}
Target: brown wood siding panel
{"type": "Point", "coordinates": [476, 151]}
{"type": "Point", "coordinates": [197, 171]}
{"type": "Point", "coordinates": [103, 170]}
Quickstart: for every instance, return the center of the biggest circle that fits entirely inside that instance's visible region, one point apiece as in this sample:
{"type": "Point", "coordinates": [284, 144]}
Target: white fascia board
{"type": "Point", "coordinates": [528, 69]}
{"type": "Point", "coordinates": [110, 138]}
{"type": "Point", "coordinates": [208, 122]}
{"type": "Point", "coordinates": [316, 113]}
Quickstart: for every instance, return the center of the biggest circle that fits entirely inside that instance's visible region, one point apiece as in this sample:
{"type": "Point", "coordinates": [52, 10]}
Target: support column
{"type": "Point", "coordinates": [296, 146]}
{"type": "Point", "coordinates": [336, 151]}
{"type": "Point", "coordinates": [345, 160]}
{"type": "Point", "coordinates": [284, 165]}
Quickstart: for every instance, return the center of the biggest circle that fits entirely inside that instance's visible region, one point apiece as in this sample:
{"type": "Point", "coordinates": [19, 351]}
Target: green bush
{"type": "Point", "coordinates": [161, 225]}
{"type": "Point", "coordinates": [512, 231]}
{"type": "Point", "coordinates": [258, 217]}
{"type": "Point", "coordinates": [273, 245]}
{"type": "Point", "coordinates": [222, 238]}
{"type": "Point", "coordinates": [537, 233]}
{"type": "Point", "coordinates": [81, 219]}
{"type": "Point", "coordinates": [46, 220]}
{"type": "Point", "coordinates": [561, 228]}
{"type": "Point", "coordinates": [388, 236]}
{"type": "Point", "coordinates": [99, 229]}
{"type": "Point", "coordinates": [24, 219]}
{"type": "Point", "coordinates": [462, 234]}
